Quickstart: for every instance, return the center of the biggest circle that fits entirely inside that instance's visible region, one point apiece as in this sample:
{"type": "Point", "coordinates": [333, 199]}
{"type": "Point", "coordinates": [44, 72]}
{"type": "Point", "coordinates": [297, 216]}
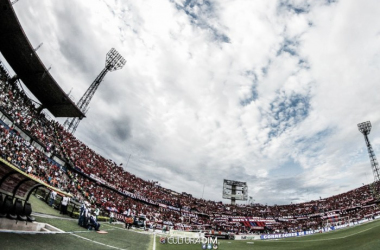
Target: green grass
{"type": "Point", "coordinates": [75, 237]}
{"type": "Point", "coordinates": [361, 237]}
{"type": "Point", "coordinates": [117, 239]}
{"type": "Point", "coordinates": [41, 206]}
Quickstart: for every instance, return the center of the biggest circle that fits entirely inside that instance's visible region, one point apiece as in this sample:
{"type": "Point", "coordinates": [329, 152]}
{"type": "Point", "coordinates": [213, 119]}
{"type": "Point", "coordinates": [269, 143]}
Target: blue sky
{"type": "Point", "coordinates": [267, 92]}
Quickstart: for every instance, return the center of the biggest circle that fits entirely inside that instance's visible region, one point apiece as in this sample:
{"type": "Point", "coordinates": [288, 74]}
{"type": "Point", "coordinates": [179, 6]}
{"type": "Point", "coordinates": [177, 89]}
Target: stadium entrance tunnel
{"type": "Point", "coordinates": [15, 189]}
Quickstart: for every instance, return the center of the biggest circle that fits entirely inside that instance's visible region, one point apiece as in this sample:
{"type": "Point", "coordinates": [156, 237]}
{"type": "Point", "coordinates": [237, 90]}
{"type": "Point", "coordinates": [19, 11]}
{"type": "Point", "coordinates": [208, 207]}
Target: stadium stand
{"type": "Point", "coordinates": [43, 149]}
{"type": "Point", "coordinates": [103, 183]}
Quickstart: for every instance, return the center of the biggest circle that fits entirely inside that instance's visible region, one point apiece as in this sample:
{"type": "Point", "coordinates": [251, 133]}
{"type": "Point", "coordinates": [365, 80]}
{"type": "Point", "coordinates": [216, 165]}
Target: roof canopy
{"type": "Point", "coordinates": [19, 53]}
{"type": "Point", "coordinates": [15, 182]}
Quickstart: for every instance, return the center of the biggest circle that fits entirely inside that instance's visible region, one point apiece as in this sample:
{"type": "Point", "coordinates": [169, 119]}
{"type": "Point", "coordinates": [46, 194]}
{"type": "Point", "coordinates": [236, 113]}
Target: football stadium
{"type": "Point", "coordinates": [141, 170]}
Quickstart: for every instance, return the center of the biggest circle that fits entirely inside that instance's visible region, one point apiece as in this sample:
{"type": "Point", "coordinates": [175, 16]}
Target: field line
{"type": "Point", "coordinates": [135, 231]}
{"type": "Point", "coordinates": [96, 242]}
{"type": "Point", "coordinates": [154, 241]}
{"type": "Point", "coordinates": [129, 230]}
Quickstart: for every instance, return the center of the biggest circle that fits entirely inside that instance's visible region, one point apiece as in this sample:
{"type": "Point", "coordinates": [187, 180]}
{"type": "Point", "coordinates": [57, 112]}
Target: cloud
{"type": "Point", "coordinates": [267, 92]}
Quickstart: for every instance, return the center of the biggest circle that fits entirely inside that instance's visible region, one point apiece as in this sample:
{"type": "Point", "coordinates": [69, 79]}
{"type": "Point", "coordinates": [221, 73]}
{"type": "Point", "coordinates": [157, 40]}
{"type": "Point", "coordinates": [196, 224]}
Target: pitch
{"type": "Point", "coordinates": [361, 237]}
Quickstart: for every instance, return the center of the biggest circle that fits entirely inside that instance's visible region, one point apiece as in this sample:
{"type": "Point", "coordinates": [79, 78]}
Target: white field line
{"type": "Point", "coordinates": [135, 231]}
{"type": "Point", "coordinates": [131, 230]}
{"type": "Point", "coordinates": [47, 232]}
{"type": "Point", "coordinates": [154, 241]}
{"type": "Point", "coordinates": [96, 242]}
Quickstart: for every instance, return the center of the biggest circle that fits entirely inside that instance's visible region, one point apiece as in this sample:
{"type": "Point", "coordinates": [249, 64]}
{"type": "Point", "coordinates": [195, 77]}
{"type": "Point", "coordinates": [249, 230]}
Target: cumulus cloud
{"type": "Point", "coordinates": [267, 92]}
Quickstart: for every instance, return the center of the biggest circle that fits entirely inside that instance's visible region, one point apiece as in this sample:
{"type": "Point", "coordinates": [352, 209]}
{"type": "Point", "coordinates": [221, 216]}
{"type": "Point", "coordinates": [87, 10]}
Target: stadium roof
{"type": "Point", "coordinates": [11, 177]}
{"type": "Point", "coordinates": [21, 56]}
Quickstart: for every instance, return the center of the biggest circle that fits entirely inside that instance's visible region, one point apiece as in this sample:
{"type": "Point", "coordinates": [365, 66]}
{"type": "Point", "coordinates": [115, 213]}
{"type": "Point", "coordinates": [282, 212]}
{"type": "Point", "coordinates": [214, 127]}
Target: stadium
{"type": "Point", "coordinates": [59, 192]}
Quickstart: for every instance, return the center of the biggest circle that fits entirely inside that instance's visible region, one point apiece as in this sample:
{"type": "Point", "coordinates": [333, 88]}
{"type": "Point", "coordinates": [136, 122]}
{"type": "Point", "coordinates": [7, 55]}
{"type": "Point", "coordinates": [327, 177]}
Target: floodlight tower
{"type": "Point", "coordinates": [365, 129]}
{"type": "Point", "coordinates": [114, 61]}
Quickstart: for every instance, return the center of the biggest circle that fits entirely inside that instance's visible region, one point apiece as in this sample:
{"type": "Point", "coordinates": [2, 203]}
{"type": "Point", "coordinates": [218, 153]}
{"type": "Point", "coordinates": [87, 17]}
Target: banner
{"type": "Point", "coordinates": [247, 237]}
{"type": "Point", "coordinates": [285, 235]}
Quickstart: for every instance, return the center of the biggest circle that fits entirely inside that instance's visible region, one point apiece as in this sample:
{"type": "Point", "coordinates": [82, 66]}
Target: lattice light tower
{"type": "Point", "coordinates": [365, 129]}
{"type": "Point", "coordinates": [114, 61]}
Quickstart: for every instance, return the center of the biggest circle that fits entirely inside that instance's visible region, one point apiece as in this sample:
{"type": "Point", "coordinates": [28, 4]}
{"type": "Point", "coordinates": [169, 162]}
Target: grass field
{"type": "Point", "coordinates": [364, 237]}
{"type": "Point", "coordinates": [361, 237]}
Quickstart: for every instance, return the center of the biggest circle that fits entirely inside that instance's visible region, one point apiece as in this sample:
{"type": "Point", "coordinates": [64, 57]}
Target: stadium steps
{"type": "Point", "coordinates": [8, 225]}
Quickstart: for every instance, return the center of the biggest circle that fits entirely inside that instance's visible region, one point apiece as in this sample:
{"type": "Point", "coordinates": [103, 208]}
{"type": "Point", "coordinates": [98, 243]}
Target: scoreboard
{"type": "Point", "coordinates": [235, 190]}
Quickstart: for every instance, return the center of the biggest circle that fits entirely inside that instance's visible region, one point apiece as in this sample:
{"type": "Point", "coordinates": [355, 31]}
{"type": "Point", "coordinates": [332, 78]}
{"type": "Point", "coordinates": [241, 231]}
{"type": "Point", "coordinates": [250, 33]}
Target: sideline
{"type": "Point", "coordinates": [47, 232]}
{"type": "Point", "coordinates": [129, 230]}
{"type": "Point", "coordinates": [97, 242]}
{"type": "Point", "coordinates": [134, 231]}
{"type": "Point", "coordinates": [154, 241]}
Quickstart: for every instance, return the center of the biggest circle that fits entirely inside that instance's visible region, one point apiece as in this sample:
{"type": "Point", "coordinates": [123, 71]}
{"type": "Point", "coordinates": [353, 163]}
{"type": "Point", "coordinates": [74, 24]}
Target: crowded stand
{"type": "Point", "coordinates": [104, 184]}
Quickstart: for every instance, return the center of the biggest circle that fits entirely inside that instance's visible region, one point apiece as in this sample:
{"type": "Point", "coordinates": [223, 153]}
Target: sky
{"type": "Point", "coordinates": [265, 92]}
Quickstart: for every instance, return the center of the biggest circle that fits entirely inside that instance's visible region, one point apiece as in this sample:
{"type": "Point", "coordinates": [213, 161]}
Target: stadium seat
{"type": "Point", "coordinates": [7, 207]}
{"type": "Point", "coordinates": [12, 213]}
{"type": "Point", "coordinates": [28, 212]}
{"type": "Point", "coordinates": [1, 205]}
{"type": "Point", "coordinates": [19, 210]}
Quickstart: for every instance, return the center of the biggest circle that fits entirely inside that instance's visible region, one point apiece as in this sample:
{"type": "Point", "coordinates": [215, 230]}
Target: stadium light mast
{"type": "Point", "coordinates": [114, 61]}
{"type": "Point", "coordinates": [365, 129]}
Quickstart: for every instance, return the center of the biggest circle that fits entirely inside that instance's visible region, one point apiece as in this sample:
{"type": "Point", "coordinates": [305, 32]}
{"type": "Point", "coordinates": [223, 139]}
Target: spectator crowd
{"type": "Point", "coordinates": [104, 184]}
